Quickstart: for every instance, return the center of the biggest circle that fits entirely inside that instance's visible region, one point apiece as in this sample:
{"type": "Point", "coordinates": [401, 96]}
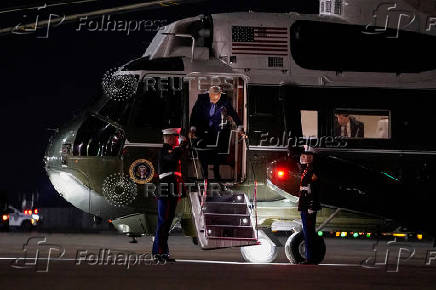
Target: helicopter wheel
{"type": "Point", "coordinates": [265, 252]}
{"type": "Point", "coordinates": [296, 252]}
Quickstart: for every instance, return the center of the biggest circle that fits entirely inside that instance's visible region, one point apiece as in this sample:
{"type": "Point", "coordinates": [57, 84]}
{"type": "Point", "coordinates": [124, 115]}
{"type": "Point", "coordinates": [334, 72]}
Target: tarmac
{"type": "Point", "coordinates": [109, 261]}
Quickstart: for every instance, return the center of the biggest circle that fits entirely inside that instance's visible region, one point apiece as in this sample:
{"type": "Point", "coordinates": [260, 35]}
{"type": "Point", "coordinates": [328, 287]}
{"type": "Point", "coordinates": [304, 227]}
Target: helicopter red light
{"type": "Point", "coordinates": [281, 173]}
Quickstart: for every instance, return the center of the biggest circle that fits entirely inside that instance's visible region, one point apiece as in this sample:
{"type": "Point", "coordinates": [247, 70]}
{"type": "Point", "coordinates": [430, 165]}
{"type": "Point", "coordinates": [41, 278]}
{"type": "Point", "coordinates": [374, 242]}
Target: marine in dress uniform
{"type": "Point", "coordinates": [308, 203]}
{"type": "Point", "coordinates": [170, 189]}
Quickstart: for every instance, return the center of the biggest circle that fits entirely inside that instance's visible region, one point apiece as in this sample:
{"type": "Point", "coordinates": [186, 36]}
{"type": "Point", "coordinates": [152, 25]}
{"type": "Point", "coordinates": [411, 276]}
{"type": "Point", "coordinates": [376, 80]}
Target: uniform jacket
{"type": "Point", "coordinates": [169, 159]}
{"type": "Point", "coordinates": [309, 199]}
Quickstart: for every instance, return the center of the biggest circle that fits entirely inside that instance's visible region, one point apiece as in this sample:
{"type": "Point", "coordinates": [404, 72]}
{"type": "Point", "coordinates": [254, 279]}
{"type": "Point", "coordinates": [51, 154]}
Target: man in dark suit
{"type": "Point", "coordinates": [210, 121]}
{"type": "Point", "coordinates": [347, 126]}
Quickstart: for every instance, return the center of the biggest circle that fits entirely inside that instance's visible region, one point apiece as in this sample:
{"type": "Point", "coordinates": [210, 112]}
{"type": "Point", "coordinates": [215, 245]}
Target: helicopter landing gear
{"type": "Point", "coordinates": [133, 240]}
{"type": "Point", "coordinates": [265, 252]}
{"type": "Point", "coordinates": [296, 252]}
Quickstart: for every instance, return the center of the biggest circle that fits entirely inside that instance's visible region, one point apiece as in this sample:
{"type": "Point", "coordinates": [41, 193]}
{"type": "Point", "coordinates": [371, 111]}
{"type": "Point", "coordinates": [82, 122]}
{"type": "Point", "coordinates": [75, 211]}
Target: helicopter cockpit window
{"type": "Point", "coordinates": [362, 124]}
{"type": "Point", "coordinates": [117, 111]}
{"type": "Point", "coordinates": [159, 105]}
{"type": "Point", "coordinates": [97, 138]}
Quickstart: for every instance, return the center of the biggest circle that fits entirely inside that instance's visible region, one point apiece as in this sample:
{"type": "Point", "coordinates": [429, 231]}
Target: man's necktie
{"type": "Point", "coordinates": [211, 113]}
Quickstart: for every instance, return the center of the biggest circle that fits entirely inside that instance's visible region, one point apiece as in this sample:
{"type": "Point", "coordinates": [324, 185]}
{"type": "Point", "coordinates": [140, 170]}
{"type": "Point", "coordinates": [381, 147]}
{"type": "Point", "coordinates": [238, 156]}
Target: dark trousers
{"type": "Point", "coordinates": [220, 141]}
{"type": "Point", "coordinates": [309, 221]}
{"type": "Point", "coordinates": [166, 207]}
{"type": "Point", "coordinates": [209, 157]}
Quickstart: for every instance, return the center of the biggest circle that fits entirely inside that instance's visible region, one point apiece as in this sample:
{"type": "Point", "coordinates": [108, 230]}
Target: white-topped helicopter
{"type": "Point", "coordinates": [289, 76]}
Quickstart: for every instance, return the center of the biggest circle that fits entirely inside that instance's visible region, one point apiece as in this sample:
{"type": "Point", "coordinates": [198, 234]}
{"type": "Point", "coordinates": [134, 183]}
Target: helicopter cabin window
{"type": "Point", "coordinates": [309, 123]}
{"type": "Point", "coordinates": [265, 111]}
{"type": "Point", "coordinates": [370, 124]}
{"type": "Point", "coordinates": [273, 116]}
{"type": "Point", "coordinates": [157, 106]}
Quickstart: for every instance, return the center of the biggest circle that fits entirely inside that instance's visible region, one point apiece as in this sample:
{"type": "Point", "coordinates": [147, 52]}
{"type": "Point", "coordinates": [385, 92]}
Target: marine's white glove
{"type": "Point", "coordinates": [182, 139]}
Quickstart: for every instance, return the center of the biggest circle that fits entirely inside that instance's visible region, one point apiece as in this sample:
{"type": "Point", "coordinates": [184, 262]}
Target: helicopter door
{"type": "Point", "coordinates": [226, 140]}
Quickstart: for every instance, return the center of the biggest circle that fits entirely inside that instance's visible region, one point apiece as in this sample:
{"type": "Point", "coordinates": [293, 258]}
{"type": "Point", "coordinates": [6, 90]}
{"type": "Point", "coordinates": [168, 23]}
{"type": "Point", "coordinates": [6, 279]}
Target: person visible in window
{"type": "Point", "coordinates": [348, 126]}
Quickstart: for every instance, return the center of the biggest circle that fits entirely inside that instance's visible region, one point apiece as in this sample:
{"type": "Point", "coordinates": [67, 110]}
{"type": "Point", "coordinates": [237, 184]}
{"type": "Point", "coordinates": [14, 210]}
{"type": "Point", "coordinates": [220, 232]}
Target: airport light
{"type": "Point", "coordinates": [419, 236]}
{"type": "Point", "coordinates": [368, 235]}
{"type": "Point", "coordinates": [35, 211]}
{"type": "Point", "coordinates": [5, 217]}
{"type": "Point", "coordinates": [399, 235]}
{"type": "Point", "coordinates": [344, 234]}
{"type": "Point", "coordinates": [338, 234]}
{"type": "Point", "coordinates": [320, 233]}
{"type": "Point", "coordinates": [355, 235]}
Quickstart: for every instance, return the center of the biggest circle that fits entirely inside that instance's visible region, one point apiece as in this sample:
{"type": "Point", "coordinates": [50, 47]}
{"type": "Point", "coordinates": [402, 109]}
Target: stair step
{"type": "Point", "coordinates": [239, 232]}
{"type": "Point", "coordinates": [225, 219]}
{"type": "Point", "coordinates": [227, 198]}
{"type": "Point", "coordinates": [225, 208]}
{"type": "Point", "coordinates": [219, 221]}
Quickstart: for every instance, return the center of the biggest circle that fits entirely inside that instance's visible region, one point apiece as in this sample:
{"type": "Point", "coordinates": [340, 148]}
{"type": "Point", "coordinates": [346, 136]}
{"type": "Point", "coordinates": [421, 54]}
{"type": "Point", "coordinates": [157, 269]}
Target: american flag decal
{"type": "Point", "coordinates": [260, 40]}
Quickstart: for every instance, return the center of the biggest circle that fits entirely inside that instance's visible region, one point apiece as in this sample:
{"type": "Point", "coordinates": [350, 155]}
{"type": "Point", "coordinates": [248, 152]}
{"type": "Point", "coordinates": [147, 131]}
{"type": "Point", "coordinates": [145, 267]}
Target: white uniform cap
{"type": "Point", "coordinates": [308, 150]}
{"type": "Point", "coordinates": [171, 131]}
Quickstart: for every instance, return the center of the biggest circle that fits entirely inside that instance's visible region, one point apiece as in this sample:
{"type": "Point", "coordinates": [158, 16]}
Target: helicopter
{"type": "Point", "coordinates": [289, 77]}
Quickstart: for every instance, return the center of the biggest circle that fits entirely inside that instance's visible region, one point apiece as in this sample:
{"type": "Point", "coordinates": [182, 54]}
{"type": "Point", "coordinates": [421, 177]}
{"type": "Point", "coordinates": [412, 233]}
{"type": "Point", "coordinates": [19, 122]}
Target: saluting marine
{"type": "Point", "coordinates": [308, 203]}
{"type": "Point", "coordinates": [170, 189]}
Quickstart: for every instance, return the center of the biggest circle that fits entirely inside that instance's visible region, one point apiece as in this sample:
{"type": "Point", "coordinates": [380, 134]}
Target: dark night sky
{"type": "Point", "coordinates": [45, 81]}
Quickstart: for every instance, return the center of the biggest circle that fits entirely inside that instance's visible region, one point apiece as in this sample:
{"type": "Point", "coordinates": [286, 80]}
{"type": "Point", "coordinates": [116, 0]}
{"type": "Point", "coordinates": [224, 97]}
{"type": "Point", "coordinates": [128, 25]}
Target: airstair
{"type": "Point", "coordinates": [223, 219]}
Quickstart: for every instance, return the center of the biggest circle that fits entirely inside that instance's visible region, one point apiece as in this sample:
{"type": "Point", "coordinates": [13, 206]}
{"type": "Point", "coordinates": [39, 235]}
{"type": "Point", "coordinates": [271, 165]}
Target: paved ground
{"type": "Point", "coordinates": [197, 269]}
